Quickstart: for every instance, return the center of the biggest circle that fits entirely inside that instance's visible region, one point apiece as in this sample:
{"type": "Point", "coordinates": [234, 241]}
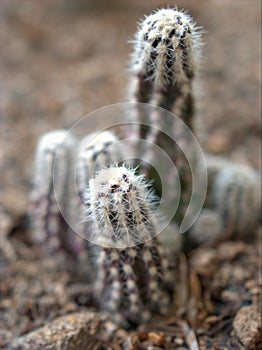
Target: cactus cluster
{"type": "Point", "coordinates": [113, 206]}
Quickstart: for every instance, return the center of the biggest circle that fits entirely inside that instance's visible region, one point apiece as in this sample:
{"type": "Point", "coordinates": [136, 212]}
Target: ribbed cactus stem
{"type": "Point", "coordinates": [214, 164]}
{"type": "Point", "coordinates": [117, 290]}
{"type": "Point", "coordinates": [51, 199]}
{"type": "Point", "coordinates": [130, 287]}
{"type": "Point", "coordinates": [233, 194]}
{"type": "Point", "coordinates": [156, 267]}
{"type": "Point", "coordinates": [236, 197]}
{"type": "Point", "coordinates": [132, 282]}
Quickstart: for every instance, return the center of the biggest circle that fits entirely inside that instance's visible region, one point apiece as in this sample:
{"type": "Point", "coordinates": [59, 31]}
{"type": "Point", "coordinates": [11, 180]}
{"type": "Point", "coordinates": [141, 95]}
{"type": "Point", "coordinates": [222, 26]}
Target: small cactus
{"type": "Point", "coordinates": [164, 64]}
{"type": "Point", "coordinates": [236, 197]}
{"type": "Point", "coordinates": [95, 152]}
{"type": "Point", "coordinates": [119, 205]}
{"type": "Point", "coordinates": [51, 199]}
{"type": "Point", "coordinates": [232, 208]}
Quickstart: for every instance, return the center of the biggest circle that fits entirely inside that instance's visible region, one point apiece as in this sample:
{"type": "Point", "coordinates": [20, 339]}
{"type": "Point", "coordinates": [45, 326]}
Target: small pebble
{"type": "Point", "coordinates": [156, 338]}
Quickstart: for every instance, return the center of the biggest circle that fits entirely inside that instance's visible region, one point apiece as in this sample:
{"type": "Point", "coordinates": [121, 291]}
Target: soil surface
{"type": "Point", "coordinates": [64, 59]}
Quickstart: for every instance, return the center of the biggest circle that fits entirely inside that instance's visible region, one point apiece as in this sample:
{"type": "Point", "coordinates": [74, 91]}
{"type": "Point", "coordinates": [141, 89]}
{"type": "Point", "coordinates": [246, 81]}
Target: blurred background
{"type": "Point", "coordinates": [63, 59]}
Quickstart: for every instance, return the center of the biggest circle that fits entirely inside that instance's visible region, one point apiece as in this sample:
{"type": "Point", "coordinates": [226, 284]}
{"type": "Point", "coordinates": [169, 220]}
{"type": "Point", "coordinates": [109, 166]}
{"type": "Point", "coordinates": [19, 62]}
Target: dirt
{"type": "Point", "coordinates": [64, 59]}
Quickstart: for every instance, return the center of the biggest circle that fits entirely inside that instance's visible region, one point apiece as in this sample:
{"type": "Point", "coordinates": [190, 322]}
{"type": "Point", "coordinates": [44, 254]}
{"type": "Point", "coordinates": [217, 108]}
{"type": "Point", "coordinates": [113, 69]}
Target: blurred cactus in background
{"type": "Point", "coordinates": [52, 192]}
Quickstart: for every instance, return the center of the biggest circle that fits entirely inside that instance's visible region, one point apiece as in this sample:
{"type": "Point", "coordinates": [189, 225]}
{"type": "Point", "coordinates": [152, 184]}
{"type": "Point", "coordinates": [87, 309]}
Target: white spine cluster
{"type": "Point", "coordinates": [164, 64]}
{"type": "Point", "coordinates": [120, 207]}
{"type": "Point", "coordinates": [54, 160]}
{"type": "Point", "coordinates": [166, 49]}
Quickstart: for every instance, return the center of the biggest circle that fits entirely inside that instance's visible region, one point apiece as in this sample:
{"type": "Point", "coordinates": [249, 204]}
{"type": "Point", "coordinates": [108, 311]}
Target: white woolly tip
{"type": "Point", "coordinates": [120, 207]}
{"type": "Point", "coordinates": [167, 48]}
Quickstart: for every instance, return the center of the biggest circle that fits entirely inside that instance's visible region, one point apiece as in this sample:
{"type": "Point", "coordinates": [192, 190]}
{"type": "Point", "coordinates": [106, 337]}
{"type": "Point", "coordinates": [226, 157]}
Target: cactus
{"type": "Point", "coordinates": [119, 205]}
{"type": "Point", "coordinates": [233, 194]}
{"type": "Point", "coordinates": [52, 185]}
{"type": "Point", "coordinates": [96, 151]}
{"type": "Point", "coordinates": [214, 164]}
{"type": "Point", "coordinates": [236, 197]}
{"type": "Point", "coordinates": [164, 64]}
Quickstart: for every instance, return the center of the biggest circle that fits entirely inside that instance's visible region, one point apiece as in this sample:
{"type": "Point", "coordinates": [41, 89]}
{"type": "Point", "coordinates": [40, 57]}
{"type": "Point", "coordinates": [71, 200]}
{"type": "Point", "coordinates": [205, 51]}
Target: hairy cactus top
{"type": "Point", "coordinates": [167, 47]}
{"type": "Point", "coordinates": [120, 207]}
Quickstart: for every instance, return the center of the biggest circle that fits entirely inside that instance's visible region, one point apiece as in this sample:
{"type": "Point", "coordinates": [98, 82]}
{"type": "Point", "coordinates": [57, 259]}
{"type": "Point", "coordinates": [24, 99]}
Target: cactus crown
{"type": "Point", "coordinates": [120, 205]}
{"type": "Point", "coordinates": [166, 47]}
